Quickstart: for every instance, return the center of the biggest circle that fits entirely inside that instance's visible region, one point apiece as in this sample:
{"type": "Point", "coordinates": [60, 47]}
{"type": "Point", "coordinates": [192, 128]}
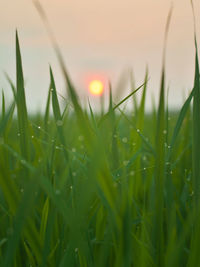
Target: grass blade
{"type": "Point", "coordinates": [21, 104]}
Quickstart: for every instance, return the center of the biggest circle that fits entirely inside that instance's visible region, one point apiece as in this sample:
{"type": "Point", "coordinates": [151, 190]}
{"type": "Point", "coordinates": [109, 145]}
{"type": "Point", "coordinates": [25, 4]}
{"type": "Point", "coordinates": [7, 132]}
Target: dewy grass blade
{"type": "Point", "coordinates": [56, 106]}
{"type": "Point", "coordinates": [179, 122]}
{"type": "Point", "coordinates": [159, 177]}
{"type": "Point", "coordinates": [57, 113]}
{"type": "Point", "coordinates": [158, 230]}
{"type": "Point", "coordinates": [21, 104]}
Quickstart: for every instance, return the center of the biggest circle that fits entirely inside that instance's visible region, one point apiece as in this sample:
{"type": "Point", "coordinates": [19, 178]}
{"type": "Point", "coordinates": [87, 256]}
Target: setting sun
{"type": "Point", "coordinates": [96, 87]}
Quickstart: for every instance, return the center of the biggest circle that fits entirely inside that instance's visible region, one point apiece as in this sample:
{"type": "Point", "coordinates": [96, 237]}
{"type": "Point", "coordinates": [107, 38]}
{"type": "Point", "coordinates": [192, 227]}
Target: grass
{"type": "Point", "coordinates": [109, 189]}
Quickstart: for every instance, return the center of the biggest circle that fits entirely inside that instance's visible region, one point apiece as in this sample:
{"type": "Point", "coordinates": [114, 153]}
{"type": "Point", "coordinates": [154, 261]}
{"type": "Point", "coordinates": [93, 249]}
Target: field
{"type": "Point", "coordinates": [114, 188]}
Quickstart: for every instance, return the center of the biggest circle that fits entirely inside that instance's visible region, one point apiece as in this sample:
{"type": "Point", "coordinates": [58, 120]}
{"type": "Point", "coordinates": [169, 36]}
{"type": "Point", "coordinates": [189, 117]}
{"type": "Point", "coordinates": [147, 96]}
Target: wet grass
{"type": "Point", "coordinates": [109, 189]}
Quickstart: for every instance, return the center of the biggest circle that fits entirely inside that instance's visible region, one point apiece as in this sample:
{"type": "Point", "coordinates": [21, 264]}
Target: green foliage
{"type": "Point", "coordinates": [110, 189]}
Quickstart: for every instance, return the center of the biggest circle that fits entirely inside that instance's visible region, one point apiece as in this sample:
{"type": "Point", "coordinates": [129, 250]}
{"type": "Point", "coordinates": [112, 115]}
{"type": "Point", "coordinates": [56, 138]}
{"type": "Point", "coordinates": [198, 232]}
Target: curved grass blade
{"type": "Point", "coordinates": [179, 122]}
{"type": "Point", "coordinates": [11, 85]}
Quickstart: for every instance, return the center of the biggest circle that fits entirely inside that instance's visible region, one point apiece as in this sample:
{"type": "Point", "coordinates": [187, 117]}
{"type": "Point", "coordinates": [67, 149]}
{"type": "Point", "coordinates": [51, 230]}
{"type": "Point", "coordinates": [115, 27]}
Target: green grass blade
{"type": "Point", "coordinates": [7, 117]}
{"type": "Point", "coordinates": [21, 104]}
{"type": "Point", "coordinates": [12, 86]}
{"type": "Point", "coordinates": [158, 229]}
{"type": "Point", "coordinates": [3, 109]}
{"type": "Point", "coordinates": [46, 115]}
{"type": "Point", "coordinates": [179, 122]}
{"type": "Point", "coordinates": [196, 132]}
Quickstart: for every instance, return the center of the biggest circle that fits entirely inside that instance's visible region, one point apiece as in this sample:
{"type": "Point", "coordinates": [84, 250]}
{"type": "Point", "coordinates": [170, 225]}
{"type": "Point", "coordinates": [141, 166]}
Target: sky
{"type": "Point", "coordinates": [104, 39]}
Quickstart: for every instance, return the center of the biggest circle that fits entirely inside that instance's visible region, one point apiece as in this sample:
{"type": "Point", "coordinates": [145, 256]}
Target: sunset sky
{"type": "Point", "coordinates": [99, 38]}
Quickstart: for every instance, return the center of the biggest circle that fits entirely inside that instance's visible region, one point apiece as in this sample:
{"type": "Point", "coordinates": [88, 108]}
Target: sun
{"type": "Point", "coordinates": [96, 87]}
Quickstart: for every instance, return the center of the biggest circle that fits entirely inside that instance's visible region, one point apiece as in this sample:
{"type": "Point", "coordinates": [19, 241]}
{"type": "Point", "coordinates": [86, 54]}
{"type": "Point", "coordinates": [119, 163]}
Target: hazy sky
{"type": "Point", "coordinates": [99, 38]}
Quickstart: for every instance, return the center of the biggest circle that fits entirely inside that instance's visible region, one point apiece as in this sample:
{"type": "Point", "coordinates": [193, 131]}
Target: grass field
{"type": "Point", "coordinates": [115, 188]}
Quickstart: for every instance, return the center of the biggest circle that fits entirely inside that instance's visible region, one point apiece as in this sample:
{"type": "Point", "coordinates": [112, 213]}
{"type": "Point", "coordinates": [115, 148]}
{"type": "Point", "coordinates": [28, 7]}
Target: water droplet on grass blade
{"type": "Point", "coordinates": [124, 139]}
{"type": "Point", "coordinates": [80, 138]}
{"type": "Point", "coordinates": [126, 162]}
{"type": "Point", "coordinates": [57, 192]}
{"type": "Point", "coordinates": [59, 123]}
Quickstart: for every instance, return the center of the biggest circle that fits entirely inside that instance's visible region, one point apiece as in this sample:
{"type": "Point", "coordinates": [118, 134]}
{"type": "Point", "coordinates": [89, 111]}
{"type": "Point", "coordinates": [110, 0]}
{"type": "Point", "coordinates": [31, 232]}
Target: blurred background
{"type": "Point", "coordinates": [109, 40]}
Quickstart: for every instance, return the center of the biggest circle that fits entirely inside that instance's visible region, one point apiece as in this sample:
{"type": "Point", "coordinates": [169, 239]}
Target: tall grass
{"type": "Point", "coordinates": [110, 189]}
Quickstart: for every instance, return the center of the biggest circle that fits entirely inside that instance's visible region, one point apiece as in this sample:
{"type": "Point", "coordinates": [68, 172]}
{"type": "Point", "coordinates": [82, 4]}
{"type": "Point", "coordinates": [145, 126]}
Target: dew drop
{"type": "Point", "coordinates": [126, 162]}
{"type": "Point", "coordinates": [57, 192]}
{"type": "Point", "coordinates": [59, 123]}
{"type": "Point", "coordinates": [192, 193]}
{"type": "Point", "coordinates": [115, 185]}
{"type": "Point", "coordinates": [80, 138]}
{"type": "Point", "coordinates": [124, 140]}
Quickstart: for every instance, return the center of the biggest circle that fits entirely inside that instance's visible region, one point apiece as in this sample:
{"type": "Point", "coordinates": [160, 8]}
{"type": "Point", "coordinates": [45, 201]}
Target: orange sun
{"type": "Point", "coordinates": [96, 87]}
